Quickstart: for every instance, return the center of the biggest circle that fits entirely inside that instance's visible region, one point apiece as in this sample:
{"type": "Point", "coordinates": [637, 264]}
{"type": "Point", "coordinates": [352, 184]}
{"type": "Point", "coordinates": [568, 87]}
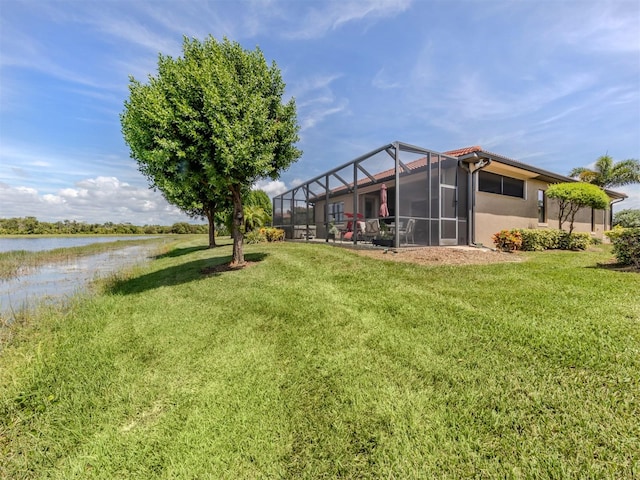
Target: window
{"type": "Point", "coordinates": [493, 183]}
{"type": "Point", "coordinates": [542, 207]}
{"type": "Point", "coordinates": [336, 212]}
{"type": "Point", "coordinates": [489, 182]}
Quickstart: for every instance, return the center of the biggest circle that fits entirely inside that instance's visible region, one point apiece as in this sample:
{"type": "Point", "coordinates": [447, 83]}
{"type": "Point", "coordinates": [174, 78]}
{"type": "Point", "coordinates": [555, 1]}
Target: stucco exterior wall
{"type": "Point", "coordinates": [496, 212]}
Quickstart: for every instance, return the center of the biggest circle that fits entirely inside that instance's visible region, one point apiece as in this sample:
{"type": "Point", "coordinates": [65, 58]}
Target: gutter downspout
{"type": "Point", "coordinates": [611, 204]}
{"type": "Point", "coordinates": [471, 193]}
{"type": "Point", "coordinates": [465, 167]}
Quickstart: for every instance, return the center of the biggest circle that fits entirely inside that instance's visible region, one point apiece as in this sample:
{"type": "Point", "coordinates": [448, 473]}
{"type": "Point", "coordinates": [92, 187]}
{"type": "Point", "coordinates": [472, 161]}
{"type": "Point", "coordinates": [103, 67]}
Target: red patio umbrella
{"type": "Point", "coordinates": [384, 209]}
{"type": "Point", "coordinates": [350, 223]}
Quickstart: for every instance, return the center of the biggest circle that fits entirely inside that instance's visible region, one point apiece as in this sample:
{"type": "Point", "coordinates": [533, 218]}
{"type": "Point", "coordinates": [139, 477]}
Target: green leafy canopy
{"type": "Point", "coordinates": [582, 194]}
{"type": "Point", "coordinates": [607, 173]}
{"type": "Point", "coordinates": [574, 196]}
{"type": "Point", "coordinates": [210, 124]}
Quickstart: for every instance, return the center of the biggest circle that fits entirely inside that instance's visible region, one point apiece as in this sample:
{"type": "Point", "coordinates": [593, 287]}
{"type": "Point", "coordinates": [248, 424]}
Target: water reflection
{"type": "Point", "coordinates": [37, 243]}
{"type": "Point", "coordinates": [56, 282]}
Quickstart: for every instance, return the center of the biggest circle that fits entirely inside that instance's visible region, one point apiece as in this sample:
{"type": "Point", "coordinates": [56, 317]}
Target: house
{"type": "Point", "coordinates": [418, 196]}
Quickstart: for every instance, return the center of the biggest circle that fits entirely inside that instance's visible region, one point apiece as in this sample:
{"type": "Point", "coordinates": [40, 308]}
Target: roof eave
{"type": "Point", "coordinates": [543, 175]}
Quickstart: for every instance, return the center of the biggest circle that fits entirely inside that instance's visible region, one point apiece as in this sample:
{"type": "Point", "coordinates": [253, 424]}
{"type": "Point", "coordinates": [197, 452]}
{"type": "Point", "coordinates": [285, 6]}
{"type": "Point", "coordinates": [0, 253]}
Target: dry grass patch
{"type": "Point", "coordinates": [443, 256]}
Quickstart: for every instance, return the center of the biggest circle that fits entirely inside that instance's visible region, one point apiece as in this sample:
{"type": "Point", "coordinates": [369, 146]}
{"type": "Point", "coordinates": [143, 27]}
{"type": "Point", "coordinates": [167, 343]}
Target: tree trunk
{"type": "Point", "coordinates": [561, 207]}
{"type": "Point", "coordinates": [237, 259]}
{"type": "Point", "coordinates": [212, 227]}
{"type": "Point", "coordinates": [574, 210]}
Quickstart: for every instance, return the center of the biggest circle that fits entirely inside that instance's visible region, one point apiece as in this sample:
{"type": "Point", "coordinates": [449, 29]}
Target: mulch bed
{"type": "Point", "coordinates": [442, 256]}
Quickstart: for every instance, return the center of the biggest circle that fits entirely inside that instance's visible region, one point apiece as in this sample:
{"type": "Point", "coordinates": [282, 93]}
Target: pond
{"type": "Point", "coordinates": [37, 243]}
{"type": "Point", "coordinates": [59, 281]}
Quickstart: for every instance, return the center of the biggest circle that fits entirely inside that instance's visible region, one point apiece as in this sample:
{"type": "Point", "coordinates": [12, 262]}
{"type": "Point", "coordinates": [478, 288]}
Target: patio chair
{"type": "Point", "coordinates": [360, 231]}
{"type": "Point", "coordinates": [371, 229]}
{"type": "Point", "coordinates": [407, 232]}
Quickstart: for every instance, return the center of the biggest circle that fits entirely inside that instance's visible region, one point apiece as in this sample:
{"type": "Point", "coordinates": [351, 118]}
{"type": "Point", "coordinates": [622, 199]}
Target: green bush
{"type": "Point", "coordinates": [265, 234]}
{"type": "Point", "coordinates": [508, 240]}
{"type": "Point", "coordinates": [533, 240]}
{"type": "Point", "coordinates": [576, 241]}
{"type": "Point", "coordinates": [629, 218]}
{"type": "Point", "coordinates": [255, 236]}
{"type": "Point", "coordinates": [273, 234]}
{"type": "Point", "coordinates": [626, 245]}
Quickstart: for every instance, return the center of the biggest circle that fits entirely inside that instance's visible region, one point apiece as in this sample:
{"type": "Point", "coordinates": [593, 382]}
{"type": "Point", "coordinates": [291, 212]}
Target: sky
{"type": "Point", "coordinates": [554, 84]}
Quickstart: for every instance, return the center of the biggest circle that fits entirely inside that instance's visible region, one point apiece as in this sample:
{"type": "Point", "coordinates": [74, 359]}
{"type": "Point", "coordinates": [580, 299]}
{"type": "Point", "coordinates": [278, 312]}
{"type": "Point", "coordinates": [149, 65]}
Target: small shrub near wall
{"type": "Point", "coordinates": [508, 240]}
{"type": "Point", "coordinates": [538, 240]}
{"type": "Point", "coordinates": [626, 245]}
{"type": "Point", "coordinates": [576, 241]}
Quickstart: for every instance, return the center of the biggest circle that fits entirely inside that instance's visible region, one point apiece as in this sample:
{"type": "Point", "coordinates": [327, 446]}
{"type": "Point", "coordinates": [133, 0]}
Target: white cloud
{"type": "Point", "coordinates": [271, 187]}
{"type": "Point", "coordinates": [23, 51]}
{"type": "Point", "coordinates": [196, 19]}
{"type": "Point", "coordinates": [135, 32]}
{"type": "Point", "coordinates": [336, 14]}
{"type": "Point", "coordinates": [385, 80]}
{"type": "Point", "coordinates": [93, 200]}
{"type": "Point", "coordinates": [481, 99]}
{"type": "Point", "coordinates": [609, 27]}
{"type": "Point", "coordinates": [317, 115]}
{"type": "Point", "coordinates": [53, 199]}
{"type": "Point", "coordinates": [633, 191]}
{"type": "Point", "coordinates": [309, 85]}
{"type": "Point", "coordinates": [315, 100]}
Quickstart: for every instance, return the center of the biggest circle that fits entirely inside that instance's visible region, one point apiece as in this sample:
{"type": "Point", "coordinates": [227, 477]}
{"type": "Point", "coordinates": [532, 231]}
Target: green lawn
{"type": "Point", "coordinates": [315, 362]}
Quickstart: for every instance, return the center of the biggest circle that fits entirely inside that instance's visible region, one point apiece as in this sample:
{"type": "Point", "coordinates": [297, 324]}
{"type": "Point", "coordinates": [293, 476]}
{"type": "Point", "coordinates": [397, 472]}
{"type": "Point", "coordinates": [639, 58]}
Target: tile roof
{"type": "Point", "coordinates": [463, 151]}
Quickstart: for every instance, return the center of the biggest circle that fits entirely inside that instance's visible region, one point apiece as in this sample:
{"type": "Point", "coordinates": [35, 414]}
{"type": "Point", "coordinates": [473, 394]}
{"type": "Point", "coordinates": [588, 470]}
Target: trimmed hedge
{"type": "Point", "coordinates": [626, 245]}
{"type": "Point", "coordinates": [539, 239]}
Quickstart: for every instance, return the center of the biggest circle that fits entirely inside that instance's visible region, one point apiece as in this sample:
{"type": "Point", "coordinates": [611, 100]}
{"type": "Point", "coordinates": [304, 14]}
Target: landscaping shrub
{"type": "Point", "coordinates": [576, 241]}
{"type": "Point", "coordinates": [265, 234]}
{"type": "Point", "coordinates": [626, 245]}
{"type": "Point", "coordinates": [273, 234]}
{"type": "Point", "coordinates": [629, 218]}
{"type": "Point", "coordinates": [531, 239]}
{"type": "Point", "coordinates": [508, 240]}
{"type": "Point", "coordinates": [255, 236]}
{"type": "Point", "coordinates": [534, 240]}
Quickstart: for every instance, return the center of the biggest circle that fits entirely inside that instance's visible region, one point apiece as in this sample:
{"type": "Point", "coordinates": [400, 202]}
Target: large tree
{"type": "Point", "coordinates": [189, 191]}
{"type": "Point", "coordinates": [209, 125]}
{"type": "Point", "coordinates": [607, 173]}
{"type": "Point", "coordinates": [574, 196]}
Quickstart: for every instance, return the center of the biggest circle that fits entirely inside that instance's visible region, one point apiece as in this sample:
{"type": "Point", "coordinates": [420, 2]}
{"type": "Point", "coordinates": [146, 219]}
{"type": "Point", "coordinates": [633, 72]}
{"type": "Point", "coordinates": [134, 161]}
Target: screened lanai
{"type": "Point", "coordinates": [396, 195]}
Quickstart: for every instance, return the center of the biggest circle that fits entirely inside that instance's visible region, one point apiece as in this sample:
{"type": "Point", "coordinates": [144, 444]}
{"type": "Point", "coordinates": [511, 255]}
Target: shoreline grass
{"type": "Point", "coordinates": [315, 362]}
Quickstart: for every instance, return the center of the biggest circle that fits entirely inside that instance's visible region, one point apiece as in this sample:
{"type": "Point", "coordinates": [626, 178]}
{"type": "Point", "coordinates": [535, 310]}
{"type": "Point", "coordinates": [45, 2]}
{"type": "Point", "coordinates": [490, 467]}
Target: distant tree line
{"type": "Point", "coordinates": [32, 226]}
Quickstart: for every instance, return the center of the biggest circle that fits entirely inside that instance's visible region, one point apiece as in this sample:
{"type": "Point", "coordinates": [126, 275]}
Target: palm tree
{"type": "Point", "coordinates": [606, 173]}
{"type": "Point", "coordinates": [254, 217]}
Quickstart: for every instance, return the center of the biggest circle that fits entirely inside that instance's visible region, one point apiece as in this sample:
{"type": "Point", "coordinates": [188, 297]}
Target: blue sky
{"type": "Point", "coordinates": [555, 84]}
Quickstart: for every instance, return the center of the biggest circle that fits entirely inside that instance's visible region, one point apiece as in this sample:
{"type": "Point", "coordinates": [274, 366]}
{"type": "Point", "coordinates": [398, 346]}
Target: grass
{"type": "Point", "coordinates": [314, 362]}
{"type": "Point", "coordinates": [15, 261]}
